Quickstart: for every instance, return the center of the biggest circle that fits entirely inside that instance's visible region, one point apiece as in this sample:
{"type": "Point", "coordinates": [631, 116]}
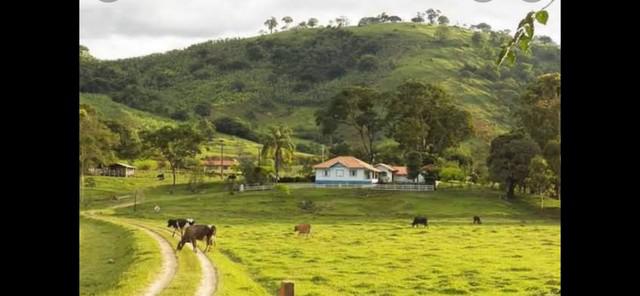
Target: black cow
{"type": "Point", "coordinates": [198, 232]}
{"type": "Point", "coordinates": [160, 177]}
{"type": "Point", "coordinates": [179, 224]}
{"type": "Point", "coordinates": [418, 221]}
{"type": "Point", "coordinates": [476, 220]}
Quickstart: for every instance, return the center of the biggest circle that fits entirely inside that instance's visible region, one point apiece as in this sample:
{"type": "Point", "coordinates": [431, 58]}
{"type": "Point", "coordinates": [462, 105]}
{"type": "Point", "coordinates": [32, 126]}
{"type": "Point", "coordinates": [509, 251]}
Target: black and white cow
{"type": "Point", "coordinates": [179, 224]}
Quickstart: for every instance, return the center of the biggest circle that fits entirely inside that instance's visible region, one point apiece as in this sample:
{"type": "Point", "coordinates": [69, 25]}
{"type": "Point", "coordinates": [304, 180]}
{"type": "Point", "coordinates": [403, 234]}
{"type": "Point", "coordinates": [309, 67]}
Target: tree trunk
{"type": "Point", "coordinates": [510, 188]}
{"type": "Point", "coordinates": [277, 166]}
{"type": "Point", "coordinates": [173, 170]}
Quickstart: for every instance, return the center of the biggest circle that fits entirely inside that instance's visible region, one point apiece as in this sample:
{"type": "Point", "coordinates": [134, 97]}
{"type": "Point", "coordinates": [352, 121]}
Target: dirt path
{"type": "Point", "coordinates": [169, 264]}
{"type": "Point", "coordinates": [209, 279]}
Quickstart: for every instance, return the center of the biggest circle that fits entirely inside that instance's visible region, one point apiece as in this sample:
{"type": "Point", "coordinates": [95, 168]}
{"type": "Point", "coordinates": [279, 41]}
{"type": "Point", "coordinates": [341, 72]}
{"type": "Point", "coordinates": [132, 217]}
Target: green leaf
{"type": "Point", "coordinates": [542, 16]}
{"type": "Point", "coordinates": [511, 56]}
{"type": "Point", "coordinates": [529, 29]}
{"type": "Point", "coordinates": [524, 44]}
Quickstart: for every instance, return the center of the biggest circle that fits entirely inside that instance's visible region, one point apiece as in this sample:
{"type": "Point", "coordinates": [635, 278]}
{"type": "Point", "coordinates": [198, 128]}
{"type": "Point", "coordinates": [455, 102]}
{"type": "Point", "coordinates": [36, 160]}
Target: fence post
{"type": "Point", "coordinates": [286, 288]}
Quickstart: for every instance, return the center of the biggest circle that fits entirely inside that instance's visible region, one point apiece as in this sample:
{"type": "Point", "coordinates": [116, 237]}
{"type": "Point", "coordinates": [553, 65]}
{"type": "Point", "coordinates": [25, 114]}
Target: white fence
{"type": "Point", "coordinates": [394, 187]}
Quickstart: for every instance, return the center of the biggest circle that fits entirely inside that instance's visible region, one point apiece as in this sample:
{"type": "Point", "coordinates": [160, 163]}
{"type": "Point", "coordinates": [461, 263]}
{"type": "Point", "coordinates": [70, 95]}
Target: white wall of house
{"type": "Point", "coordinates": [339, 173]}
{"type": "Point", "coordinates": [389, 174]}
{"type": "Point", "coordinates": [404, 179]}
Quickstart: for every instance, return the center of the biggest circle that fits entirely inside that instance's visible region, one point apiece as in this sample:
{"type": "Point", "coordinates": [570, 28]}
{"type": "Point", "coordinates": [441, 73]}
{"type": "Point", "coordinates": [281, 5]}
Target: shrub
{"type": "Point", "coordinates": [146, 165]}
{"type": "Point", "coordinates": [368, 63]}
{"type": "Point", "coordinates": [307, 205]}
{"type": "Point", "coordinates": [451, 173]}
{"type": "Point", "coordinates": [282, 190]}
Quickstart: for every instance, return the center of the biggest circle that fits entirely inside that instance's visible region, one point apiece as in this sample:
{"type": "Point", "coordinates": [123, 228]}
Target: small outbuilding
{"type": "Point", "coordinates": [118, 170]}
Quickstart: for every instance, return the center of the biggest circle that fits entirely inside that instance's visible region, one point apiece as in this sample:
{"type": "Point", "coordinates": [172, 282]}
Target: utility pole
{"type": "Point", "coordinates": [322, 153]}
{"type": "Point", "coordinates": [221, 157]}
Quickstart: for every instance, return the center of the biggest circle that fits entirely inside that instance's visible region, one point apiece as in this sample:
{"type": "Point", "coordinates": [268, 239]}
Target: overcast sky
{"type": "Point", "coordinates": [129, 28]}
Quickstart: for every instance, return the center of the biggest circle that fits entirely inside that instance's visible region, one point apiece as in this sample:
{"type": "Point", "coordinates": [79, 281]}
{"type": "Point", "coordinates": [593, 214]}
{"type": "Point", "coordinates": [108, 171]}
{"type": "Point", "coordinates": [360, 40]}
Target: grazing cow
{"type": "Point", "coordinates": [156, 208]}
{"type": "Point", "coordinates": [179, 224]}
{"type": "Point", "coordinates": [476, 220]}
{"type": "Point", "coordinates": [160, 177]}
{"type": "Point", "coordinates": [302, 229]}
{"type": "Point", "coordinates": [198, 232]}
{"type": "Point", "coordinates": [419, 220]}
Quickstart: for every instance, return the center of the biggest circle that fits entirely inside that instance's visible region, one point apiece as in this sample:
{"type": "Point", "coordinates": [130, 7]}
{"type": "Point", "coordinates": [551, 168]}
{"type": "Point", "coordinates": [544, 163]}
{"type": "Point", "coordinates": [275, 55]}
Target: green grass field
{"type": "Point", "coordinates": [362, 243]}
{"type": "Point", "coordinates": [135, 256]}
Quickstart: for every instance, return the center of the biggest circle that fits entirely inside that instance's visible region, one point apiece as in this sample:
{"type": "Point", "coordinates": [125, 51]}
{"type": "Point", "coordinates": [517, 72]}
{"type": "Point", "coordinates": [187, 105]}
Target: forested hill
{"type": "Point", "coordinates": [286, 76]}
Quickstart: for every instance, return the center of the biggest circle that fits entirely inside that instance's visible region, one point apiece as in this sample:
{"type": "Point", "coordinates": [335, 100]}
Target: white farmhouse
{"type": "Point", "coordinates": [345, 170]}
{"type": "Point", "coordinates": [387, 172]}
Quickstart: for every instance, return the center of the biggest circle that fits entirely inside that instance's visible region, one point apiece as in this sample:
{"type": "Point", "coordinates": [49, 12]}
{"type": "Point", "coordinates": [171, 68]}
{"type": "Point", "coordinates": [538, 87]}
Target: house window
{"type": "Point", "coordinates": [339, 173]}
{"type": "Point", "coordinates": [353, 173]}
{"type": "Point", "coordinates": [326, 173]}
{"type": "Point", "coordinates": [368, 175]}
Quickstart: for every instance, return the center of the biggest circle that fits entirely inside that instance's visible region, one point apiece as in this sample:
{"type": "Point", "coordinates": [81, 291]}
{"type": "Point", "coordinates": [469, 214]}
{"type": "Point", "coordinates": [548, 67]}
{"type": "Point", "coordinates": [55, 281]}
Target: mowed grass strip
{"type": "Point", "coordinates": [362, 242]}
{"type": "Point", "coordinates": [136, 259]}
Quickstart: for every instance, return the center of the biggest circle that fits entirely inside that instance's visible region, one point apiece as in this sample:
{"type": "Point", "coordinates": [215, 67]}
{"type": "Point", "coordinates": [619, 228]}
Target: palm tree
{"type": "Point", "coordinates": [278, 145]}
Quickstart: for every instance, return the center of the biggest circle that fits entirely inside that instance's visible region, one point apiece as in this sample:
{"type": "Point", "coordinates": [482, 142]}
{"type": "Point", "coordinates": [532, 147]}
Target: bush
{"type": "Point", "coordinates": [146, 165]}
{"type": "Point", "coordinates": [282, 190]}
{"type": "Point", "coordinates": [307, 205]}
{"type": "Point", "coordinates": [368, 63]}
{"type": "Point", "coordinates": [452, 173]}
{"type": "Point", "coordinates": [233, 126]}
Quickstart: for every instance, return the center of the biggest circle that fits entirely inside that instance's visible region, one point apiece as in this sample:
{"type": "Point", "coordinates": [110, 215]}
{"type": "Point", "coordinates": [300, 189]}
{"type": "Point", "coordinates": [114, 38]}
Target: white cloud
{"type": "Point", "coordinates": [127, 28]}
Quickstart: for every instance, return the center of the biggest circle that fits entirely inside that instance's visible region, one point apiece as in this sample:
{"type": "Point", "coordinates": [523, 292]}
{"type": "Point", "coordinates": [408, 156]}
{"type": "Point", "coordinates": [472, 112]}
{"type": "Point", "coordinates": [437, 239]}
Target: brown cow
{"type": "Point", "coordinates": [198, 232]}
{"type": "Point", "coordinates": [302, 229]}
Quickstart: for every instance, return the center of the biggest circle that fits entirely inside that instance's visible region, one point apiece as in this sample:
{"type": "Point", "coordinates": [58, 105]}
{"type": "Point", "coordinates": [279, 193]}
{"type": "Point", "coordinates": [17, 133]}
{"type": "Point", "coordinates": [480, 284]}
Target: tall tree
{"type": "Point", "coordinates": [432, 15]}
{"type": "Point", "coordinates": [540, 175]}
{"type": "Point", "coordinates": [96, 139]}
{"type": "Point", "coordinates": [551, 153]}
{"type": "Point", "coordinates": [279, 146]}
{"type": "Point", "coordinates": [206, 128]}
{"type": "Point", "coordinates": [96, 142]}
{"type": "Point", "coordinates": [175, 144]}
{"type": "Point", "coordinates": [271, 23]}
{"type": "Point", "coordinates": [540, 109]}
{"type": "Point", "coordinates": [342, 21]}
{"type": "Point", "coordinates": [312, 22]}
{"type": "Point", "coordinates": [287, 20]}
{"type": "Point", "coordinates": [129, 146]}
{"type": "Point", "coordinates": [443, 20]}
{"type": "Point", "coordinates": [419, 18]}
{"type": "Point", "coordinates": [414, 164]}
{"type": "Point", "coordinates": [509, 159]}
{"type": "Point", "coordinates": [358, 107]}
{"type": "Point", "coordinates": [484, 27]}
{"type": "Point", "coordinates": [422, 117]}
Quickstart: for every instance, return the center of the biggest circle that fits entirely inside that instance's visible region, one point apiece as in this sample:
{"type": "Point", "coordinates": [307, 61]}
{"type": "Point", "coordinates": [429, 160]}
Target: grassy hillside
{"type": "Point", "coordinates": [284, 77]}
{"type": "Point", "coordinates": [110, 110]}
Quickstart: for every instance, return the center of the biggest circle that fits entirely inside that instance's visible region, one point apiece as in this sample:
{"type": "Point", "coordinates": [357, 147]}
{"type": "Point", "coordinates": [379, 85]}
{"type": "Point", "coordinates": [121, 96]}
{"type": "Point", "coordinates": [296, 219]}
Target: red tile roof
{"type": "Point", "coordinates": [400, 170]}
{"type": "Point", "coordinates": [347, 161]}
{"type": "Point", "coordinates": [217, 162]}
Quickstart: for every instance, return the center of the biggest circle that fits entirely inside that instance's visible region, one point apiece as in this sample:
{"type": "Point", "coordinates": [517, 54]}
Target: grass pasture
{"type": "Point", "coordinates": [362, 243]}
{"type": "Point", "coordinates": [136, 259]}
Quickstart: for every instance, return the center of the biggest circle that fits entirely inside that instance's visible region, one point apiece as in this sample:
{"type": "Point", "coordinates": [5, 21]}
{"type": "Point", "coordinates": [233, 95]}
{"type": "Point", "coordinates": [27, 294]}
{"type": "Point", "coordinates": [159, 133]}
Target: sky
{"type": "Point", "coordinates": [114, 29]}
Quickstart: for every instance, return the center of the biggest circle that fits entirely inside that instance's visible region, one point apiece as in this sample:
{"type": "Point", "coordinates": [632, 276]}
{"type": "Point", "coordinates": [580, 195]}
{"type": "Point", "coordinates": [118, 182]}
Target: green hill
{"type": "Point", "coordinates": [284, 77]}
